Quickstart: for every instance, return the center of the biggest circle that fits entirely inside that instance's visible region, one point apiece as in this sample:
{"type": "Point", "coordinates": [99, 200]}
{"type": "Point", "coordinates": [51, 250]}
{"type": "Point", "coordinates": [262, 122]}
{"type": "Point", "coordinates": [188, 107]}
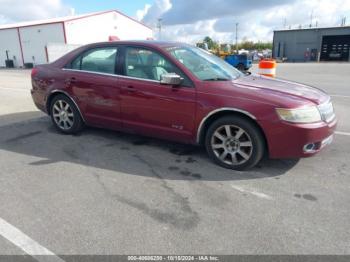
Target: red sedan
{"type": "Point", "coordinates": [179, 92]}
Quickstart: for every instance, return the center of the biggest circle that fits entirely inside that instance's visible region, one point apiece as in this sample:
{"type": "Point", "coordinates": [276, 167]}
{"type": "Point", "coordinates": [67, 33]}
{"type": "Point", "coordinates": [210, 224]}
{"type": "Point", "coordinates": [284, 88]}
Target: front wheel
{"type": "Point", "coordinates": [234, 142]}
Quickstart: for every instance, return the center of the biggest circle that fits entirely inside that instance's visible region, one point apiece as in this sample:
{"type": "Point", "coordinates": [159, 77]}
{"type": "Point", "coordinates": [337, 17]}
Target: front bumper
{"type": "Point", "coordinates": [286, 140]}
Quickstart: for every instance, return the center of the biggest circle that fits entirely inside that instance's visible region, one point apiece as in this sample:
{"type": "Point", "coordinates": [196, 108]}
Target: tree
{"type": "Point", "coordinates": [263, 45]}
{"type": "Point", "coordinates": [249, 45]}
{"type": "Point", "coordinates": [212, 45]}
{"type": "Point", "coordinates": [245, 44]}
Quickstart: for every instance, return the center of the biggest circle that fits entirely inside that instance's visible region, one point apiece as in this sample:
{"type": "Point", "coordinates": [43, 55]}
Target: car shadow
{"type": "Point", "coordinates": [31, 133]}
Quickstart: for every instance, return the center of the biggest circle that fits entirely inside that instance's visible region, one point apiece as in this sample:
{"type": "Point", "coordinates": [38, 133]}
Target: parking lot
{"type": "Point", "coordinates": [104, 192]}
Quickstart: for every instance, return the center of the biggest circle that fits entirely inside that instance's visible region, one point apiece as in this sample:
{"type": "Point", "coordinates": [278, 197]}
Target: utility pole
{"type": "Point", "coordinates": [159, 26]}
{"type": "Point", "coordinates": [343, 21]}
{"type": "Point", "coordinates": [237, 37]}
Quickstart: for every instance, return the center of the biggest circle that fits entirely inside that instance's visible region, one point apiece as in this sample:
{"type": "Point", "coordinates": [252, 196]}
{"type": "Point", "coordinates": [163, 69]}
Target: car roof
{"type": "Point", "coordinates": [147, 43]}
{"type": "Point", "coordinates": [143, 43]}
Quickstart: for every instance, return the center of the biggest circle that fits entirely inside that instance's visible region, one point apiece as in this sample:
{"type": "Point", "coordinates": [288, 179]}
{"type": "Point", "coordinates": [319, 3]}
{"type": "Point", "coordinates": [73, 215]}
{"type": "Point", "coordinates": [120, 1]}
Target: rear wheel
{"type": "Point", "coordinates": [65, 115]}
{"type": "Point", "coordinates": [241, 67]}
{"type": "Point", "coordinates": [235, 143]}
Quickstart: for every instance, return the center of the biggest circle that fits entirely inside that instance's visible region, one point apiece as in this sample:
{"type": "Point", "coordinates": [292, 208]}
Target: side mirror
{"type": "Point", "coordinates": [171, 79]}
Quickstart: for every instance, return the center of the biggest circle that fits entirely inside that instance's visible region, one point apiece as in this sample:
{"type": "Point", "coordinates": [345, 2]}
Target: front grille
{"type": "Point", "coordinates": [327, 112]}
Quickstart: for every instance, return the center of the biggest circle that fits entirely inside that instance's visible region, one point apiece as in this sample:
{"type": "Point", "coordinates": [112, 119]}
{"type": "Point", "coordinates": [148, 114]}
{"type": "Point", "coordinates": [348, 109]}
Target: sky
{"type": "Point", "coordinates": [192, 20]}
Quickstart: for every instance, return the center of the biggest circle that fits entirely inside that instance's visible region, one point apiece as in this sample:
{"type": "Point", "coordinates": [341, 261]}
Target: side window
{"type": "Point", "coordinates": [76, 63]}
{"type": "Point", "coordinates": [146, 64]}
{"type": "Point", "coordinates": [101, 60]}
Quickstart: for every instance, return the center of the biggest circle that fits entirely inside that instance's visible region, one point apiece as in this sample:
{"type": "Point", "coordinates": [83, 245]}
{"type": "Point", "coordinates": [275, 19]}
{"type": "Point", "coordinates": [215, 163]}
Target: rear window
{"type": "Point", "coordinates": [100, 60]}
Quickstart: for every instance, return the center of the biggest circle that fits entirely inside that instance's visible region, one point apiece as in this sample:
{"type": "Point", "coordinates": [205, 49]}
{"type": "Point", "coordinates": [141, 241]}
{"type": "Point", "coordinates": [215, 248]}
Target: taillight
{"type": "Point", "coordinates": [34, 71]}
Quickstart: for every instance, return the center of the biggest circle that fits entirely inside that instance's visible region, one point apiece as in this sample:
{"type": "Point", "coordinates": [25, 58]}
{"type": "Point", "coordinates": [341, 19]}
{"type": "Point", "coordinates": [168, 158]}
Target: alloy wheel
{"type": "Point", "coordinates": [232, 145]}
{"type": "Point", "coordinates": [63, 115]}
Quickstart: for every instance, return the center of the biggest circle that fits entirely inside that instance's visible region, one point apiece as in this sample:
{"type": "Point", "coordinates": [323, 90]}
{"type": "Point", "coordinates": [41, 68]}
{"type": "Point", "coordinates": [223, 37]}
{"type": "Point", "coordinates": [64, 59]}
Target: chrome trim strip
{"type": "Point", "coordinates": [199, 130]}
{"type": "Point", "coordinates": [71, 98]}
{"type": "Point", "coordinates": [114, 75]}
{"type": "Point", "coordinates": [309, 151]}
{"type": "Point", "coordinates": [89, 72]}
{"type": "Point", "coordinates": [141, 79]}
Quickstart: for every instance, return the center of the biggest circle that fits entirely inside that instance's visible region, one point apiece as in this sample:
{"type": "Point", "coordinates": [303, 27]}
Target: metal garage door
{"type": "Point", "coordinates": [335, 48]}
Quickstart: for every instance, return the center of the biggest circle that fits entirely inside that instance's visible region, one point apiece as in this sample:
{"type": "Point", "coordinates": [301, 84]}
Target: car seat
{"type": "Point", "coordinates": [156, 69]}
{"type": "Point", "coordinates": [134, 67]}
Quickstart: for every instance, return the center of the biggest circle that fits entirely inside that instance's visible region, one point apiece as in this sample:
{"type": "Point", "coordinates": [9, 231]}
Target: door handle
{"type": "Point", "coordinates": [129, 89]}
{"type": "Point", "coordinates": [71, 80]}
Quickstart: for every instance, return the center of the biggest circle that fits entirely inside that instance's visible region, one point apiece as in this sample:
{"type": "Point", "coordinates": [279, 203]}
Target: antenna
{"type": "Point", "coordinates": [311, 18]}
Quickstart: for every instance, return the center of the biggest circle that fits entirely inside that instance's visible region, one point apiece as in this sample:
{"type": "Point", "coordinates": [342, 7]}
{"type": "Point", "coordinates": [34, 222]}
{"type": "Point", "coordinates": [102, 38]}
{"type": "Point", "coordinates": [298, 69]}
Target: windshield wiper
{"type": "Point", "coordinates": [217, 79]}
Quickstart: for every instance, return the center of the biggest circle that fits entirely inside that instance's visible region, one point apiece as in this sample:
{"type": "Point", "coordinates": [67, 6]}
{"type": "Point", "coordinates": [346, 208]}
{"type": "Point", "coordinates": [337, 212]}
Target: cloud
{"type": "Point", "coordinates": [152, 13]}
{"type": "Point", "coordinates": [25, 10]}
{"type": "Point", "coordinates": [140, 14]}
{"type": "Point", "coordinates": [184, 11]}
{"type": "Point", "coordinates": [324, 12]}
{"type": "Point", "coordinates": [192, 20]}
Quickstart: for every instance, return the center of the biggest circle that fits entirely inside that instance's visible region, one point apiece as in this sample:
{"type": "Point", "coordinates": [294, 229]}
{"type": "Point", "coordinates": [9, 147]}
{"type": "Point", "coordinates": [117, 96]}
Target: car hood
{"type": "Point", "coordinates": [284, 87]}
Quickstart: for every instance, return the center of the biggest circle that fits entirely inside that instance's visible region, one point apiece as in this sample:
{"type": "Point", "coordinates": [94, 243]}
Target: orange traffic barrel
{"type": "Point", "coordinates": [267, 67]}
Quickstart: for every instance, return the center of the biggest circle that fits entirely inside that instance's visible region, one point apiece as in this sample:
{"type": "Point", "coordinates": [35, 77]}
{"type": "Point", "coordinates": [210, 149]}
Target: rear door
{"type": "Point", "coordinates": [92, 79]}
{"type": "Point", "coordinates": [149, 107]}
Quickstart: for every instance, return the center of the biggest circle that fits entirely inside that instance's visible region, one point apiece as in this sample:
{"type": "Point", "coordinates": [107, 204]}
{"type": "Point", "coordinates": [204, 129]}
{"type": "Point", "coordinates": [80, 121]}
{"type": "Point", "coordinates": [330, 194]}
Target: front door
{"type": "Point", "coordinates": [151, 108]}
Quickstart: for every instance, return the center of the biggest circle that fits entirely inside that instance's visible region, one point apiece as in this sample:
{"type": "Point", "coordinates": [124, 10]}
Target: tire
{"type": "Point", "coordinates": [234, 142]}
{"type": "Point", "coordinates": [65, 115]}
{"type": "Point", "coordinates": [241, 67]}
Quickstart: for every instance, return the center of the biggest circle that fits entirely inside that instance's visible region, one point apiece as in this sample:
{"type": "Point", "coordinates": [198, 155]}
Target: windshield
{"type": "Point", "coordinates": [204, 65]}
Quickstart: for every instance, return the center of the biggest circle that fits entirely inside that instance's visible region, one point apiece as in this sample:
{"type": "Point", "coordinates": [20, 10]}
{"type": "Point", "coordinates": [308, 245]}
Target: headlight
{"type": "Point", "coordinates": [327, 112]}
{"type": "Point", "coordinates": [300, 115]}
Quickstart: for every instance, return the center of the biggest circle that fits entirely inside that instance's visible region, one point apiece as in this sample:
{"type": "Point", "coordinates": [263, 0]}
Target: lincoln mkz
{"type": "Point", "coordinates": [181, 93]}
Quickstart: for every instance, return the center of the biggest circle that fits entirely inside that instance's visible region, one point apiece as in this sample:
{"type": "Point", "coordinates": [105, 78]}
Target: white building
{"type": "Point", "coordinates": [37, 41]}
